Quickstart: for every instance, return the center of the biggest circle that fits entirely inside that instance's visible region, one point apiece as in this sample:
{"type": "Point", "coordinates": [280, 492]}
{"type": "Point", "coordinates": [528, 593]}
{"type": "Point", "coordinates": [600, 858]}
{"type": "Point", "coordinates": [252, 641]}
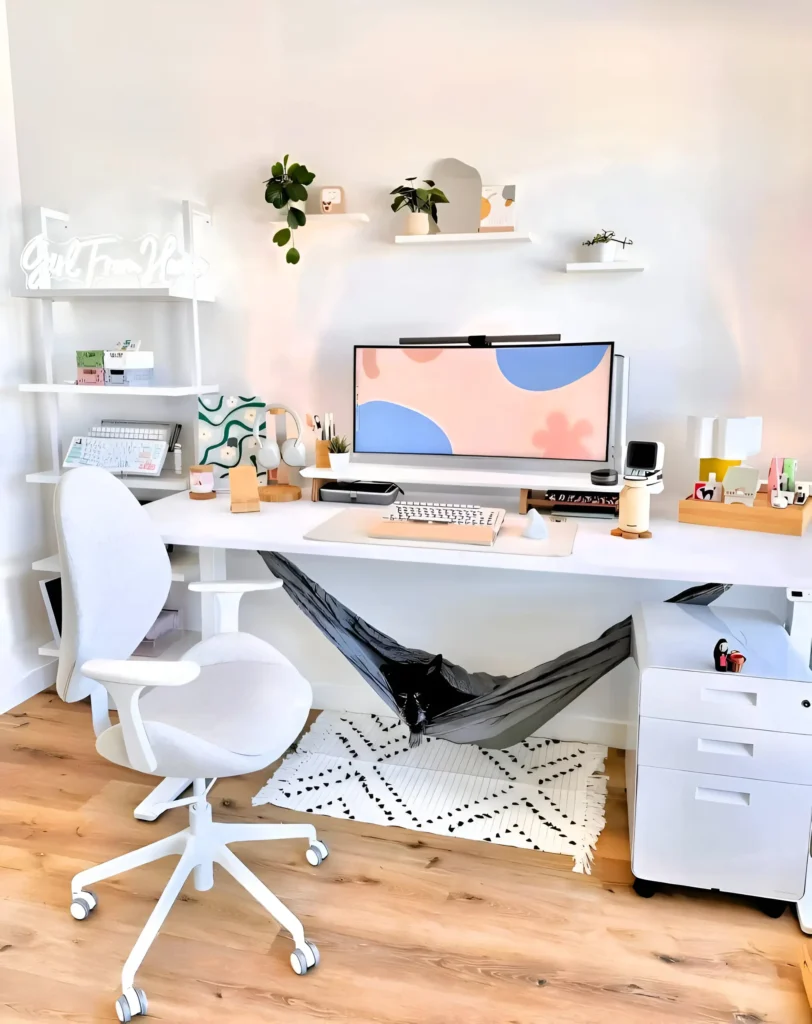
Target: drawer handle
{"type": "Point", "coordinates": [722, 796]}
{"type": "Point", "coordinates": [729, 697]}
{"type": "Point", "coordinates": [724, 747]}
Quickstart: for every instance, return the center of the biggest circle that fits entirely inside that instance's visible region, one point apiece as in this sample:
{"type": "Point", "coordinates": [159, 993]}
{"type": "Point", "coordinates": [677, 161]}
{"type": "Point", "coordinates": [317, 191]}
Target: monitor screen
{"type": "Point", "coordinates": [513, 401]}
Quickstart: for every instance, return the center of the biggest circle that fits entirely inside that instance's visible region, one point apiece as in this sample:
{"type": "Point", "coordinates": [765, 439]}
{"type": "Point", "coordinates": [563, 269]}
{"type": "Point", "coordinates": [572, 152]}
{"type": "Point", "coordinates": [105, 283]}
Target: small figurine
{"type": "Point", "coordinates": [720, 655]}
{"type": "Point", "coordinates": [735, 661]}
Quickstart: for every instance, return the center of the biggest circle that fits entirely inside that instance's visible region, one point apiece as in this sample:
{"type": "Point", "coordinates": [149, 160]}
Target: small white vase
{"type": "Point", "coordinates": [339, 460]}
{"type": "Point", "coordinates": [606, 251]}
{"type": "Point", "coordinates": [417, 223]}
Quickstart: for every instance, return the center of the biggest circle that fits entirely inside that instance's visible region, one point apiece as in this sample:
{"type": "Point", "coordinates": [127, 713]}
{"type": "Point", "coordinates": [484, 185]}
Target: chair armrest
{"type": "Point", "coordinates": [141, 673]}
{"type": "Point", "coordinates": [125, 681]}
{"type": "Point", "coordinates": [234, 586]}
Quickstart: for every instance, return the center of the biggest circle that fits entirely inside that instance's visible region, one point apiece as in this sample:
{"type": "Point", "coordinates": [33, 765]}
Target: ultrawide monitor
{"type": "Point", "coordinates": [544, 401]}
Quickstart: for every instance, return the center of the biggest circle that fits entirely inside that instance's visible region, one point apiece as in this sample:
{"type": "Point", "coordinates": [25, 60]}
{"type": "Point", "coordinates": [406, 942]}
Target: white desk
{"type": "Point", "coordinates": [677, 551]}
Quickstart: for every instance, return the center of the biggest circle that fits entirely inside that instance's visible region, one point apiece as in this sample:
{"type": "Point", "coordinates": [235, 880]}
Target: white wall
{"type": "Point", "coordinates": [683, 125]}
{"type": "Point", "coordinates": [22, 621]}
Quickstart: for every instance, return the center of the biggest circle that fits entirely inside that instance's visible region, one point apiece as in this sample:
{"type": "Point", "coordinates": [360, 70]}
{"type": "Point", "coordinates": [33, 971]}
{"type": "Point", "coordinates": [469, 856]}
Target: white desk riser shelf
{"type": "Point", "coordinates": [120, 390]}
{"type": "Point", "coordinates": [449, 477]}
{"type": "Point", "coordinates": [618, 267]}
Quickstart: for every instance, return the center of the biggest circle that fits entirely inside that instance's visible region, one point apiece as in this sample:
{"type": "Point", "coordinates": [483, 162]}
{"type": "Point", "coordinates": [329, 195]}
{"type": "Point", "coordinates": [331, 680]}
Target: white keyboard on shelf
{"type": "Point", "coordinates": [118, 454]}
{"type": "Point", "coordinates": [445, 512]}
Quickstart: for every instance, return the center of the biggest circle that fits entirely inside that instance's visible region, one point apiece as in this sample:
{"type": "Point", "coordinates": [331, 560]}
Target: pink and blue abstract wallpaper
{"type": "Point", "coordinates": [542, 402]}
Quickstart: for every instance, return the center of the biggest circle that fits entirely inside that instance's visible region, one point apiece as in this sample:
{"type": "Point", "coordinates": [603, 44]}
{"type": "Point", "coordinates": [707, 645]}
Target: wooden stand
{"type": "Point", "coordinates": [279, 492]}
{"type": "Point", "coordinates": [322, 454]}
{"type": "Point", "coordinates": [760, 517]}
{"type": "Point", "coordinates": [242, 482]}
{"type": "Point", "coordinates": [202, 495]}
{"type": "Point", "coordinates": [645, 535]}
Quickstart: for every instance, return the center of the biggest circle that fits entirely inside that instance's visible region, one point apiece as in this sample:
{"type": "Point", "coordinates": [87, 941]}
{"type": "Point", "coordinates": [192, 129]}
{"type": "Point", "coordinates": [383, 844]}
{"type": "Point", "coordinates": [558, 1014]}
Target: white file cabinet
{"type": "Point", "coordinates": [719, 765]}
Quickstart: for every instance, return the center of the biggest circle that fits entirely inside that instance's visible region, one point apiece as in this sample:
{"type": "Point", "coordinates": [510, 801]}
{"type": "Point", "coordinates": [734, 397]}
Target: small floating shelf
{"type": "Point", "coordinates": [618, 267]}
{"type": "Point", "coordinates": [164, 482]}
{"type": "Point", "coordinates": [477, 237]}
{"type": "Point", "coordinates": [171, 293]}
{"type": "Point", "coordinates": [312, 218]}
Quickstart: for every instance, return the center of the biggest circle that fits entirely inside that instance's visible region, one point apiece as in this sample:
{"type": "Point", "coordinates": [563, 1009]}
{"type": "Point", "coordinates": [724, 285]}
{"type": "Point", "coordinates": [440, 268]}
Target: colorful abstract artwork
{"type": "Point", "coordinates": [543, 402]}
{"type": "Point", "coordinates": [225, 433]}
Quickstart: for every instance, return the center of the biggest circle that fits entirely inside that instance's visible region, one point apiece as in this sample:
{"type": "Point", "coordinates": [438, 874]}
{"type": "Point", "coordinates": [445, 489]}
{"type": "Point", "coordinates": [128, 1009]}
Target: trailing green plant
{"type": "Point", "coordinates": [338, 445]}
{"type": "Point", "coordinates": [288, 184]}
{"type": "Point", "coordinates": [418, 200]}
{"type": "Point", "coordinates": [603, 237]}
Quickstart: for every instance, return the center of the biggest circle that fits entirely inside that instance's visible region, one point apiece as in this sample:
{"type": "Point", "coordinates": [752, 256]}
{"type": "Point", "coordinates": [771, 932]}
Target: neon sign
{"type": "Point", "coordinates": [147, 262]}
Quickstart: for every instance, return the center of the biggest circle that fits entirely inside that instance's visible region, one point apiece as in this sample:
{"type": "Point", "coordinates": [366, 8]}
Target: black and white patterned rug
{"type": "Point", "coordinates": [541, 794]}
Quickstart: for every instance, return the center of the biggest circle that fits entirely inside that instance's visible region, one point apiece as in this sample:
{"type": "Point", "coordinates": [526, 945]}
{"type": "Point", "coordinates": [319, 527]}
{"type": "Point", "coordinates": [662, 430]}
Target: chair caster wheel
{"type": "Point", "coordinates": [645, 888]}
{"type": "Point", "coordinates": [83, 904]}
{"type": "Point", "coordinates": [304, 960]}
{"type": "Point", "coordinates": [772, 908]}
{"type": "Point", "coordinates": [316, 852]}
{"type": "Point", "coordinates": [132, 1004]}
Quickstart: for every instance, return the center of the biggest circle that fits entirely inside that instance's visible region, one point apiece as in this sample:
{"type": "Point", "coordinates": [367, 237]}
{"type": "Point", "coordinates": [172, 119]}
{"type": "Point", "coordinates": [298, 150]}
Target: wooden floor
{"type": "Point", "coordinates": [411, 928]}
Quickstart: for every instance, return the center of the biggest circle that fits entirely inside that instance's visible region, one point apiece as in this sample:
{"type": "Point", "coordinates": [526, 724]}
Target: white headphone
{"type": "Point", "coordinates": [281, 449]}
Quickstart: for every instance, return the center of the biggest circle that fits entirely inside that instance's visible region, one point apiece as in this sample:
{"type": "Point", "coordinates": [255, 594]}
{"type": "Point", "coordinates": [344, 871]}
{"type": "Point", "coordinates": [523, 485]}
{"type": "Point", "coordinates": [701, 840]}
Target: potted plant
{"type": "Point", "coordinates": [288, 185]}
{"type": "Point", "coordinates": [339, 450]}
{"type": "Point", "coordinates": [607, 243]}
{"type": "Point", "coordinates": [421, 203]}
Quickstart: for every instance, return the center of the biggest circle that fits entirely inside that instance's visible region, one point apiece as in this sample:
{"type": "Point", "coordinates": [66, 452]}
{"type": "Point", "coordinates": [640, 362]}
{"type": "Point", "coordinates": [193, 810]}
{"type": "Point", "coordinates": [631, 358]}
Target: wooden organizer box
{"type": "Point", "coordinates": [760, 517]}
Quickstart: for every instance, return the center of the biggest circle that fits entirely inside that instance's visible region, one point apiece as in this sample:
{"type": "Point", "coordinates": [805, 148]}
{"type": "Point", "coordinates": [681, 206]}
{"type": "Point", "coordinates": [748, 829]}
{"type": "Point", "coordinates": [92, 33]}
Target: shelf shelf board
{"type": "Point", "coordinates": [185, 565]}
{"type": "Point", "coordinates": [70, 294]}
{"type": "Point", "coordinates": [171, 646]}
{"type": "Point", "coordinates": [312, 218]}
{"type": "Point", "coordinates": [165, 482]}
{"type": "Point", "coordinates": [478, 238]}
{"type": "Point", "coordinates": [180, 391]}
{"type": "Point", "coordinates": [604, 268]}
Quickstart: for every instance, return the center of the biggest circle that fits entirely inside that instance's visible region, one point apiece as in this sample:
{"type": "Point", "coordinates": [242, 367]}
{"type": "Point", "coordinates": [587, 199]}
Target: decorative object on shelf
{"type": "Point", "coordinates": [606, 244]}
{"type": "Point", "coordinates": [331, 199]}
{"type": "Point", "coordinates": [89, 375]}
{"type": "Point", "coordinates": [288, 184]}
{"type": "Point", "coordinates": [642, 477]}
{"type": "Point", "coordinates": [741, 484]}
{"type": "Point", "coordinates": [780, 499]}
{"type": "Point", "coordinates": [461, 184]}
{"type": "Point", "coordinates": [421, 204]}
{"type": "Point", "coordinates": [738, 514]}
{"type": "Point", "coordinates": [720, 655]}
{"type": "Point", "coordinates": [225, 433]}
{"type": "Point", "coordinates": [735, 661]}
{"type": "Point", "coordinates": [723, 442]}
{"type": "Point", "coordinates": [280, 449]}
{"type": "Point", "coordinates": [710, 490]}
{"type": "Point", "coordinates": [201, 483]}
{"type": "Point", "coordinates": [244, 487]}
{"type": "Point", "coordinates": [339, 451]}
{"type": "Point", "coordinates": [497, 211]}
{"type": "Point", "coordinates": [535, 528]}
{"type": "Point", "coordinates": [107, 260]}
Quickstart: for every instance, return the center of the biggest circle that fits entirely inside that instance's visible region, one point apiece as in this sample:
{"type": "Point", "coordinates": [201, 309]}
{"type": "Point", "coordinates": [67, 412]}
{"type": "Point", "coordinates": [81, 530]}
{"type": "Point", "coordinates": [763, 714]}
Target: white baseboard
{"type": "Point", "coordinates": [24, 673]}
{"type": "Point", "coordinates": [364, 700]}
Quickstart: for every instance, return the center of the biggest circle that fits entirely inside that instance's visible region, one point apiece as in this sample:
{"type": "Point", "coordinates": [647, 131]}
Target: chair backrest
{"type": "Point", "coordinates": [115, 574]}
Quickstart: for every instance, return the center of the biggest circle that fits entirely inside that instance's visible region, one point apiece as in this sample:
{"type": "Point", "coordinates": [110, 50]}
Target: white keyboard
{"type": "Point", "coordinates": [446, 512]}
{"type": "Point", "coordinates": [148, 432]}
{"type": "Point", "coordinates": [118, 454]}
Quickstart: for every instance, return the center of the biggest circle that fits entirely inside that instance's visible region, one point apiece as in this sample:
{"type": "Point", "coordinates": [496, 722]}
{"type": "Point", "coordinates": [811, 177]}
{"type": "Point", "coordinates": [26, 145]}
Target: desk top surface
{"type": "Point", "coordinates": [677, 551]}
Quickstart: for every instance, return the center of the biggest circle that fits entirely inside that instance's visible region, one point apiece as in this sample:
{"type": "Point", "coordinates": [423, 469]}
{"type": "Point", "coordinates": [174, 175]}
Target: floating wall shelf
{"type": "Point", "coordinates": [312, 218]}
{"type": "Point", "coordinates": [604, 268]}
{"type": "Point", "coordinates": [480, 238]}
{"type": "Point", "coordinates": [120, 390]}
{"type": "Point", "coordinates": [72, 294]}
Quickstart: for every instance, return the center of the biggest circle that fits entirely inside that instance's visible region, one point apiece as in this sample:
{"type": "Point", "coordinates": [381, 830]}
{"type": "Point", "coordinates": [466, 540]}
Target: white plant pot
{"type": "Point", "coordinates": [417, 223]}
{"type": "Point", "coordinates": [606, 252]}
{"type": "Point", "coordinates": [339, 460]}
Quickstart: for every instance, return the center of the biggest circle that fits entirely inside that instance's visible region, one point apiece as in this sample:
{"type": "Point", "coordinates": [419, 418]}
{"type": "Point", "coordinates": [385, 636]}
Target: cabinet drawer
{"type": "Point", "coordinates": [714, 832]}
{"type": "Point", "coordinates": [726, 698]}
{"type": "Point", "coordinates": [723, 750]}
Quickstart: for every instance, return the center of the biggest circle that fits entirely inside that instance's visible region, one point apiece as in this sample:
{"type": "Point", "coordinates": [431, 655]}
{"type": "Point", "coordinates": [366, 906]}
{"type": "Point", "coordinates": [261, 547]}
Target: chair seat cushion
{"type": "Point", "coordinates": [237, 716]}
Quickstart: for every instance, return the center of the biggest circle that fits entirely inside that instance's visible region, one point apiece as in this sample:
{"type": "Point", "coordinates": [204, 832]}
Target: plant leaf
{"type": "Point", "coordinates": [307, 178]}
{"type": "Point", "coordinates": [272, 191]}
{"type": "Point", "coordinates": [282, 236]}
{"type": "Point", "coordinates": [277, 170]}
{"type": "Point", "coordinates": [280, 201]}
{"type": "Point", "coordinates": [438, 196]}
{"type": "Point", "coordinates": [292, 255]}
{"type": "Point", "coordinates": [296, 218]}
{"type": "Point", "coordinates": [296, 192]}
{"type": "Point", "coordinates": [285, 160]}
{"type": "Point", "coordinates": [410, 179]}
{"type": "Point", "coordinates": [429, 183]}
{"type": "Point", "coordinates": [422, 194]}
{"type": "Point", "coordinates": [398, 203]}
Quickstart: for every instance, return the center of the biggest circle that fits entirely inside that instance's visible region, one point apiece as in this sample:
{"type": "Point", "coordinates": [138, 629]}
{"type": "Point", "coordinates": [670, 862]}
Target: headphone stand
{"type": "Point", "coordinates": [279, 492]}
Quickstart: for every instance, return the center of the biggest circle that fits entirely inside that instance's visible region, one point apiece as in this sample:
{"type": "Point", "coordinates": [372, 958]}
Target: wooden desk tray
{"type": "Point", "coordinates": [761, 517]}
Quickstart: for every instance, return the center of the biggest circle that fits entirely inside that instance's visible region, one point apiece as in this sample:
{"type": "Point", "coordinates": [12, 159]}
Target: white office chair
{"type": "Point", "coordinates": [232, 705]}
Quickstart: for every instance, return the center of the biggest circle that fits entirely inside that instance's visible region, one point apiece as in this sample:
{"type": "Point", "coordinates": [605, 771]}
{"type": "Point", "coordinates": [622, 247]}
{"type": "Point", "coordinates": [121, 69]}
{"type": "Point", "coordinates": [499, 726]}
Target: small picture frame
{"type": "Point", "coordinates": [331, 199]}
{"type": "Point", "coordinates": [497, 208]}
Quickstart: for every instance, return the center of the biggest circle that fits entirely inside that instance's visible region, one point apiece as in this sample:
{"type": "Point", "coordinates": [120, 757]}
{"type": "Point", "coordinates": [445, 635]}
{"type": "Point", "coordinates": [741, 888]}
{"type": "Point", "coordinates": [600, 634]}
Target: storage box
{"type": "Point", "coordinates": [761, 516]}
{"type": "Point", "coordinates": [129, 378]}
{"type": "Point", "coordinates": [89, 375]}
{"type": "Point", "coordinates": [129, 359]}
{"type": "Point", "coordinates": [92, 358]}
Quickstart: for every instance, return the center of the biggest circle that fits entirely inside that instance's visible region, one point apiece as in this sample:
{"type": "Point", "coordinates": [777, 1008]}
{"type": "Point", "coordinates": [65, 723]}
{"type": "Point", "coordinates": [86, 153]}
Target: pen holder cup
{"type": "Point", "coordinates": [322, 454]}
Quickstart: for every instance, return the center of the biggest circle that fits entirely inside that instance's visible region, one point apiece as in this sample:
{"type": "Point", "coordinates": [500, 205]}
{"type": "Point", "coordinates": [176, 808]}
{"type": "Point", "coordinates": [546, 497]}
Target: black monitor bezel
{"type": "Point", "coordinates": [525, 458]}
